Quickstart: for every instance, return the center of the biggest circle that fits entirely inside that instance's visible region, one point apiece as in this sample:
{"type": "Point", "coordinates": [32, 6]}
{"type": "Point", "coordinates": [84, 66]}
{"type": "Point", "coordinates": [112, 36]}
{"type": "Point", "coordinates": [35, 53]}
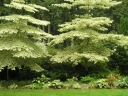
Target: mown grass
{"type": "Point", "coordinates": [91, 92]}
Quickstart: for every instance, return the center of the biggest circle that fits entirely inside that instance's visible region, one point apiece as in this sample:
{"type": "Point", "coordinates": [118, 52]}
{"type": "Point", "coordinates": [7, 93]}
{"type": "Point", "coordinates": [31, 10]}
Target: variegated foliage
{"type": "Point", "coordinates": [16, 32]}
{"type": "Point", "coordinates": [86, 35]}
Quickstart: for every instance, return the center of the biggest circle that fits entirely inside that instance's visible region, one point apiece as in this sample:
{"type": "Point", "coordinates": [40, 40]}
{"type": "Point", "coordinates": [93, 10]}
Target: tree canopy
{"type": "Point", "coordinates": [86, 35]}
{"type": "Point", "coordinates": [20, 41]}
{"type": "Point", "coordinates": [66, 33]}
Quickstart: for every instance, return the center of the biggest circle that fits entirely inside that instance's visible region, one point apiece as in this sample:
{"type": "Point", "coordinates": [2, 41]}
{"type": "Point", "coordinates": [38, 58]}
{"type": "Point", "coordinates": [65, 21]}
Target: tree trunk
{"type": "Point", "coordinates": [49, 32]}
{"type": "Point", "coordinates": [1, 2]}
{"type": "Point", "coordinates": [7, 74]}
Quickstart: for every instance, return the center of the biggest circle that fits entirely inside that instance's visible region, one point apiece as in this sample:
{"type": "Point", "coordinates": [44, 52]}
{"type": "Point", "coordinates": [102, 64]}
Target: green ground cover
{"type": "Point", "coordinates": [93, 92]}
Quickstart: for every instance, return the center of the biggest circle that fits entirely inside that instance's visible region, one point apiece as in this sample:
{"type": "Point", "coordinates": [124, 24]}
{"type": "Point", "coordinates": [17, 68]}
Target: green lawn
{"type": "Point", "coordinates": [97, 92]}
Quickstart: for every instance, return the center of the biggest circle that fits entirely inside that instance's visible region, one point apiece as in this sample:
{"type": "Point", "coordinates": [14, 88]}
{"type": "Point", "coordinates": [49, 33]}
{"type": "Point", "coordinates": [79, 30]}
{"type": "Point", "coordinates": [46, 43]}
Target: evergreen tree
{"type": "Point", "coordinates": [122, 27]}
{"type": "Point", "coordinates": [118, 13]}
{"type": "Point", "coordinates": [20, 40]}
{"type": "Point", "coordinates": [83, 40]}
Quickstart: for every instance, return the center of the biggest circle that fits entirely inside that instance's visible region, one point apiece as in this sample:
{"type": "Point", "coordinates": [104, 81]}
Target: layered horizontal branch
{"type": "Point", "coordinates": [17, 18]}
{"type": "Point", "coordinates": [77, 58]}
{"type": "Point", "coordinates": [96, 23]}
{"type": "Point", "coordinates": [88, 4]}
{"type": "Point", "coordinates": [6, 59]}
{"type": "Point", "coordinates": [17, 4]}
{"type": "Point", "coordinates": [20, 46]}
{"type": "Point", "coordinates": [14, 28]}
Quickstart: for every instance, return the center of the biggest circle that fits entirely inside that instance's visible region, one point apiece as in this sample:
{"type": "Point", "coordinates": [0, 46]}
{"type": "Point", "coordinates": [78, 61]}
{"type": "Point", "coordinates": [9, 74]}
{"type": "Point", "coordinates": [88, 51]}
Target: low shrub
{"type": "Point", "coordinates": [43, 79]}
{"type": "Point", "coordinates": [72, 83]}
{"type": "Point", "coordinates": [12, 83]}
{"type": "Point", "coordinates": [13, 86]}
{"type": "Point", "coordinates": [122, 83]}
{"type": "Point", "coordinates": [111, 79]}
{"type": "Point", "coordinates": [46, 85]}
{"type": "Point", "coordinates": [76, 86]}
{"type": "Point", "coordinates": [56, 84]}
{"type": "Point", "coordinates": [101, 83]}
{"type": "Point", "coordinates": [38, 83]}
{"type": "Point", "coordinates": [86, 79]}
